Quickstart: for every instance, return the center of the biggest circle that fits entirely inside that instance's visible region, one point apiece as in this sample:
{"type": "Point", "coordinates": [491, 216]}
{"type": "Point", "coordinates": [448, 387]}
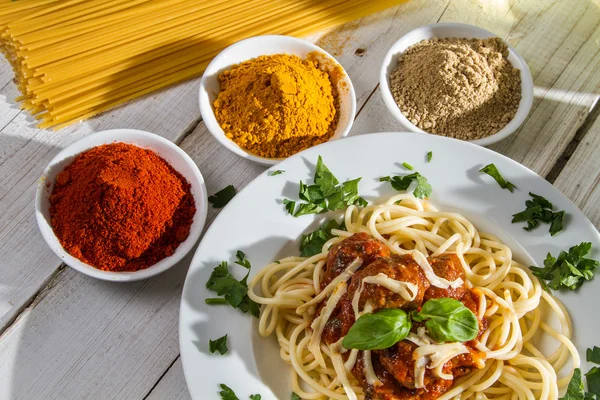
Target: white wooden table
{"type": "Point", "coordinates": [66, 336]}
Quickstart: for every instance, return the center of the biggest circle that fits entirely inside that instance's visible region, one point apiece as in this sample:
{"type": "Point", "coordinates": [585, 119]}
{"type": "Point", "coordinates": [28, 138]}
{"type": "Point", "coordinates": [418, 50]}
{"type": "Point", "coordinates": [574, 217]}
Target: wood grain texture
{"type": "Point", "coordinates": [87, 339]}
{"type": "Point", "coordinates": [172, 386]}
{"type": "Point", "coordinates": [580, 178]}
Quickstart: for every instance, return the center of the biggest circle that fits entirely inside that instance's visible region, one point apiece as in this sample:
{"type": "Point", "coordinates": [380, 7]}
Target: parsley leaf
{"type": "Point", "coordinates": [429, 156]}
{"type": "Point", "coordinates": [407, 166]}
{"type": "Point", "coordinates": [401, 183]}
{"type": "Point", "coordinates": [492, 171]}
{"type": "Point", "coordinates": [255, 397]}
{"type": "Point", "coordinates": [537, 210]}
{"type": "Point", "coordinates": [575, 389]}
{"type": "Point", "coordinates": [276, 172]}
{"type": "Point", "coordinates": [222, 197]}
{"type": "Point", "coordinates": [219, 345]}
{"type": "Point", "coordinates": [569, 271]}
{"type": "Point", "coordinates": [233, 291]}
{"type": "Point", "coordinates": [593, 380]}
{"type": "Point", "coordinates": [326, 194]}
{"type": "Point", "coordinates": [313, 242]}
{"type": "Point", "coordinates": [593, 355]}
{"type": "Point", "coordinates": [226, 393]}
{"type": "Point", "coordinates": [213, 301]}
{"type": "Point", "coordinates": [295, 396]}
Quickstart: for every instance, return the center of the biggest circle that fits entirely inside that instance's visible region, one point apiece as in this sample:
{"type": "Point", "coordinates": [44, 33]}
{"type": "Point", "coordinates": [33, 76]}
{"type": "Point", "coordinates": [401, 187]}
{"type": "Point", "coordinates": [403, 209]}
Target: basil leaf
{"type": "Point", "coordinates": [222, 197]}
{"type": "Point", "coordinates": [492, 171]}
{"type": "Point", "coordinates": [226, 393]}
{"type": "Point", "coordinates": [378, 331]}
{"type": "Point", "coordinates": [448, 320]}
{"type": "Point", "coordinates": [219, 345]}
{"type": "Point", "coordinates": [593, 355]}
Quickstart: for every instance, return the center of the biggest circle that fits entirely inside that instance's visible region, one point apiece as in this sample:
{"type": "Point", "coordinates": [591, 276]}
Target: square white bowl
{"type": "Point", "coordinates": [261, 46]}
{"type": "Point", "coordinates": [176, 157]}
{"type": "Point", "coordinates": [455, 30]}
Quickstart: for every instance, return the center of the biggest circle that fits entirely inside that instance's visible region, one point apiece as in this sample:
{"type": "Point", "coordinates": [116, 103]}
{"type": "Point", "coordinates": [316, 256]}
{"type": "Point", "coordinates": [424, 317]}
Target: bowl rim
{"type": "Point", "coordinates": [207, 112]}
{"type": "Point", "coordinates": [108, 137]}
{"type": "Point", "coordinates": [476, 32]}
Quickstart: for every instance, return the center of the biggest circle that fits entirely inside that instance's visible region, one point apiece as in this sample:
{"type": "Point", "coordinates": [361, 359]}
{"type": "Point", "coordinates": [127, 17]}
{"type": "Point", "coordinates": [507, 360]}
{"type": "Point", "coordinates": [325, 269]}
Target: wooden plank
{"type": "Point", "coordinates": [563, 61]}
{"type": "Point", "coordinates": [172, 386]}
{"type": "Point", "coordinates": [27, 262]}
{"type": "Point", "coordinates": [580, 178]}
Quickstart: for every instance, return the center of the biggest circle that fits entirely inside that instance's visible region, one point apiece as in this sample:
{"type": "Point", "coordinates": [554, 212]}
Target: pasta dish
{"type": "Point", "coordinates": [408, 302]}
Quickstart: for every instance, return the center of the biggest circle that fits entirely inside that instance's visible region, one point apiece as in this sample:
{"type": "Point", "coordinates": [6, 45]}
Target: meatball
{"type": "Point", "coordinates": [359, 245]}
{"type": "Point", "coordinates": [399, 268]}
{"type": "Point", "coordinates": [447, 266]}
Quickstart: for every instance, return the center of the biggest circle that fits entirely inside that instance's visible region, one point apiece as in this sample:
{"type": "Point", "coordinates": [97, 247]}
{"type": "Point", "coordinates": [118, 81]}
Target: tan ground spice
{"type": "Point", "coordinates": [461, 88]}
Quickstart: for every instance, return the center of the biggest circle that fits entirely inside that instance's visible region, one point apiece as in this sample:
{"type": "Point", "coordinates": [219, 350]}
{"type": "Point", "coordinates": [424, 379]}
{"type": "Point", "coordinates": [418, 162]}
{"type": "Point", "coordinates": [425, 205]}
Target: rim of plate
{"type": "Point", "coordinates": [186, 320]}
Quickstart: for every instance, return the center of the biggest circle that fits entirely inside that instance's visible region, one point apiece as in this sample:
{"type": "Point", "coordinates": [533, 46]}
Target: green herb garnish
{"type": "Point", "coordinates": [219, 345]}
{"type": "Point", "coordinates": [537, 210]}
{"type": "Point", "coordinates": [448, 320]}
{"type": "Point", "coordinates": [226, 393]}
{"type": "Point", "coordinates": [326, 194]}
{"type": "Point", "coordinates": [233, 291]}
{"type": "Point", "coordinates": [255, 397]}
{"type": "Point", "coordinates": [277, 172]}
{"type": "Point", "coordinates": [295, 396]}
{"type": "Point", "coordinates": [401, 183]}
{"type": "Point", "coordinates": [213, 301]}
{"type": "Point", "coordinates": [593, 355]}
{"type": "Point", "coordinates": [492, 171]}
{"type": "Point", "coordinates": [407, 166]}
{"type": "Point", "coordinates": [429, 156]}
{"type": "Point", "coordinates": [312, 243]}
{"type": "Point", "coordinates": [378, 331]}
{"type": "Point", "coordinates": [568, 271]}
{"type": "Point", "coordinates": [222, 197]}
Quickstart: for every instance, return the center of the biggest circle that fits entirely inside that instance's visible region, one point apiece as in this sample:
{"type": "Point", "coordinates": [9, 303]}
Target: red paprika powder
{"type": "Point", "coordinates": [119, 207]}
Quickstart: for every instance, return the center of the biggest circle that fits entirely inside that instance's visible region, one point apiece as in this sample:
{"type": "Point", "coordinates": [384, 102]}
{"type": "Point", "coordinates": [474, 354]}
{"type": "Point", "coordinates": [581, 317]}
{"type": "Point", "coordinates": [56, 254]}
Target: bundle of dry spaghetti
{"type": "Point", "coordinates": [76, 58]}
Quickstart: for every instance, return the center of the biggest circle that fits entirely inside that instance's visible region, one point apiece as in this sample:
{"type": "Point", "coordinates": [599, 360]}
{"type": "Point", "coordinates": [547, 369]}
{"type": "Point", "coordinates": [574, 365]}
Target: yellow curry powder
{"type": "Point", "coordinates": [275, 106]}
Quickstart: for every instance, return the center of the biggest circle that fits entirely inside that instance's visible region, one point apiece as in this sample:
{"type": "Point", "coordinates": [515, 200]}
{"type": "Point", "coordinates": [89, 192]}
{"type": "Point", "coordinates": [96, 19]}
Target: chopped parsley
{"type": "Point", "coordinates": [576, 388]}
{"type": "Point", "coordinates": [429, 156]}
{"type": "Point", "coordinates": [593, 355]}
{"type": "Point", "coordinates": [312, 243]}
{"type": "Point", "coordinates": [295, 396]}
{"type": "Point", "coordinates": [407, 166]}
{"type": "Point", "coordinates": [492, 171]}
{"type": "Point", "coordinates": [226, 393]}
{"type": "Point", "coordinates": [219, 345]}
{"type": "Point", "coordinates": [222, 197]}
{"type": "Point", "coordinates": [276, 172]}
{"type": "Point", "coordinates": [326, 194]}
{"type": "Point", "coordinates": [233, 291]}
{"type": "Point", "coordinates": [569, 271]}
{"type": "Point", "coordinates": [255, 397]}
{"type": "Point", "coordinates": [422, 189]}
{"type": "Point", "coordinates": [213, 301]}
{"type": "Point", "coordinates": [537, 210]}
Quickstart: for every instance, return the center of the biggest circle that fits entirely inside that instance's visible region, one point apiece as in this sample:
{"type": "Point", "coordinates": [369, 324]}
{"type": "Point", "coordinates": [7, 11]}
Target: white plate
{"type": "Point", "coordinates": [256, 223]}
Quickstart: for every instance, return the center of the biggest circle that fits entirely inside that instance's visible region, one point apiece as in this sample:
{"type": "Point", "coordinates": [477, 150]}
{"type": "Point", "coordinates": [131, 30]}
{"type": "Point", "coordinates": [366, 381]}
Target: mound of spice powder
{"type": "Point", "coordinates": [119, 207]}
{"type": "Point", "coordinates": [461, 88]}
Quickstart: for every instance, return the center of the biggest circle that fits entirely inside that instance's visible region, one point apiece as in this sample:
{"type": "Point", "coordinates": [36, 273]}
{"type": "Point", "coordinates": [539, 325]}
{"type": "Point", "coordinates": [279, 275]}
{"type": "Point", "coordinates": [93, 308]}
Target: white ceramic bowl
{"type": "Point", "coordinates": [446, 30]}
{"type": "Point", "coordinates": [260, 46]}
{"type": "Point", "coordinates": [178, 159]}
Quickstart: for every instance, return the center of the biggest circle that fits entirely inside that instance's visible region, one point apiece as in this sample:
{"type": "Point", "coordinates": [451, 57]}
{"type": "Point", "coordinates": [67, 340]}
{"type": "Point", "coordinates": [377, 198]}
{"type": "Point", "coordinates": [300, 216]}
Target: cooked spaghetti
{"type": "Point", "coordinates": [75, 58]}
{"type": "Point", "coordinates": [397, 256]}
